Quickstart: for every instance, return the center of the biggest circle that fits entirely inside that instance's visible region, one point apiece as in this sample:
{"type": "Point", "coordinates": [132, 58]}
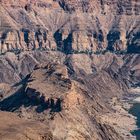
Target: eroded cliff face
{"type": "Point", "coordinates": [70, 26]}
{"type": "Point", "coordinates": [55, 68]}
{"type": "Point", "coordinates": [68, 107]}
{"type": "Point", "coordinates": [70, 94]}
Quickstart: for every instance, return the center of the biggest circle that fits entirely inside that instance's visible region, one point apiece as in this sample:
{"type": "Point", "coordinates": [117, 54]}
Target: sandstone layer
{"type": "Point", "coordinates": [61, 64]}
{"type": "Point", "coordinates": [69, 26]}
{"type": "Point", "coordinates": [69, 95]}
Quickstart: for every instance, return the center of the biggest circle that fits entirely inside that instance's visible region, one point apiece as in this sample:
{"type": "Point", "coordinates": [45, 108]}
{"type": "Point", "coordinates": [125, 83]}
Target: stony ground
{"type": "Point", "coordinates": [64, 66]}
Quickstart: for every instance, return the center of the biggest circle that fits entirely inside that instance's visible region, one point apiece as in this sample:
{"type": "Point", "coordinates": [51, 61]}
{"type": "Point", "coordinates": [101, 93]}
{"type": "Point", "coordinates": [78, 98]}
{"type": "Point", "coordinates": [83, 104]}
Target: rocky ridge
{"type": "Point", "coordinates": [57, 89]}
{"type": "Point", "coordinates": [69, 26]}
{"type": "Point", "coordinates": [69, 108]}
{"type": "Point", "coordinates": [61, 64]}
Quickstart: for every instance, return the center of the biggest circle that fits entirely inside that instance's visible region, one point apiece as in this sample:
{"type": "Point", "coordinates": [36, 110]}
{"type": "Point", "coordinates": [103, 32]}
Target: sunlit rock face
{"type": "Point", "coordinates": [64, 65]}
{"type": "Point", "coordinates": [70, 26]}
{"type": "Point", "coordinates": [51, 97]}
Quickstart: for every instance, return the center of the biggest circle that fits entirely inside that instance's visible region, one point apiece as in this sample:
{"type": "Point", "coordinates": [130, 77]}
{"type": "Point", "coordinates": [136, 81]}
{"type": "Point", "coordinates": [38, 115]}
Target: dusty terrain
{"type": "Point", "coordinates": [68, 107]}
{"type": "Point", "coordinates": [65, 66]}
{"type": "Point", "coordinates": [121, 120]}
{"type": "Point", "coordinates": [72, 97]}
{"type": "Point", "coordinates": [14, 128]}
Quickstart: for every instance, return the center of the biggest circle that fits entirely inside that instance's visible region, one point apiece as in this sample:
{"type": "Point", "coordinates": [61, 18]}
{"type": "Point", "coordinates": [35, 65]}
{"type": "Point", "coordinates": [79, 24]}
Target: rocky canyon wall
{"type": "Point", "coordinates": [70, 26]}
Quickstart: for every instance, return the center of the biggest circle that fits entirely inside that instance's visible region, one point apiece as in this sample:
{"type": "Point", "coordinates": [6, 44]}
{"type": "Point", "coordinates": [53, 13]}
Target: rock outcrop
{"type": "Point", "coordinates": [67, 93]}
{"type": "Point", "coordinates": [61, 64]}
{"type": "Point", "coordinates": [69, 108]}
{"type": "Point", "coordinates": [69, 26]}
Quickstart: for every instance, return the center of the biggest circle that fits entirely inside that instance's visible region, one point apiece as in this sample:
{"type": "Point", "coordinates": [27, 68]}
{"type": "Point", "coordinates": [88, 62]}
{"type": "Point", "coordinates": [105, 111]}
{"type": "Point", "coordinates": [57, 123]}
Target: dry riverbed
{"type": "Point", "coordinates": [121, 119]}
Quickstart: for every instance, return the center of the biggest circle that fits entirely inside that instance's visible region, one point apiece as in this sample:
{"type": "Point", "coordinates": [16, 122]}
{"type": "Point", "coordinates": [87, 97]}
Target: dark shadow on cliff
{"type": "Point", "coordinates": [65, 45]}
{"type": "Point", "coordinates": [58, 40]}
{"type": "Point", "coordinates": [134, 45]}
{"type": "Point", "coordinates": [20, 99]}
{"type": "Point", "coordinates": [17, 99]}
{"type": "Point", "coordinates": [26, 35]}
{"type": "Point", "coordinates": [68, 44]}
{"type": "Point", "coordinates": [112, 37]}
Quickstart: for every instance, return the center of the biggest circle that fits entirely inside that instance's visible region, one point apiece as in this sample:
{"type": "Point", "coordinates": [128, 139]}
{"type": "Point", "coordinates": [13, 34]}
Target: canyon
{"type": "Point", "coordinates": [67, 26]}
{"type": "Point", "coordinates": [65, 66]}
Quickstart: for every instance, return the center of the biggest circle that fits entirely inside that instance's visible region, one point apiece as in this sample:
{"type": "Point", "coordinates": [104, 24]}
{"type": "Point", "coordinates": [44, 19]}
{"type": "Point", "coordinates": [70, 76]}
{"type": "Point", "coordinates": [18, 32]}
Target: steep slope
{"type": "Point", "coordinates": [71, 91]}
{"type": "Point", "coordinates": [69, 108]}
{"type": "Point", "coordinates": [63, 66]}
{"type": "Point", "coordinates": [69, 26]}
